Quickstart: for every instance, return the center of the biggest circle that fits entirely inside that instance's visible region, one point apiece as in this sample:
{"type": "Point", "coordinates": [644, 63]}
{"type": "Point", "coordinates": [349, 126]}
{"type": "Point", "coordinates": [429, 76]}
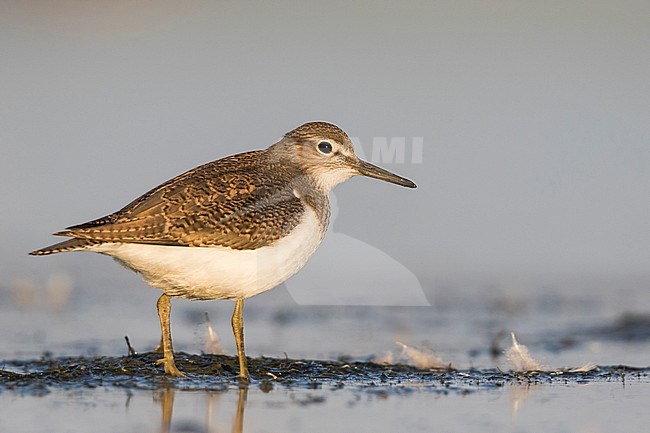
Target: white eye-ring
{"type": "Point", "coordinates": [325, 147]}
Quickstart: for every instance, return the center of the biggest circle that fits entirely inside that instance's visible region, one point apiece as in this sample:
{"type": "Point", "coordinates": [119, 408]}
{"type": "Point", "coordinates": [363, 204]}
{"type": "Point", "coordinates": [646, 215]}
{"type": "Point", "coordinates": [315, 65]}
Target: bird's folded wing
{"type": "Point", "coordinates": [218, 204]}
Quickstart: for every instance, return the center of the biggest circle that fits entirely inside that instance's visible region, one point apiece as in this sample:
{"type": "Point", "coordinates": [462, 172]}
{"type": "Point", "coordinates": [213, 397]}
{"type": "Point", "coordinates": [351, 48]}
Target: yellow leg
{"type": "Point", "coordinates": [238, 330]}
{"type": "Point", "coordinates": [164, 310]}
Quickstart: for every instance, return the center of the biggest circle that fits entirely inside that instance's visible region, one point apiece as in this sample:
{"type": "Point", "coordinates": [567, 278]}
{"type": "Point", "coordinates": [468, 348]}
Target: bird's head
{"type": "Point", "coordinates": [325, 152]}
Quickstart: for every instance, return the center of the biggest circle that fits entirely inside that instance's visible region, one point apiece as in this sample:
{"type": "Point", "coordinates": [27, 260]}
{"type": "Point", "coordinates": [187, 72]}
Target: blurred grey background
{"type": "Point", "coordinates": [534, 118]}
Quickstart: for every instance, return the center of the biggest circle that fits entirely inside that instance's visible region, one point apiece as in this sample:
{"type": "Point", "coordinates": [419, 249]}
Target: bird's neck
{"type": "Point", "coordinates": [317, 201]}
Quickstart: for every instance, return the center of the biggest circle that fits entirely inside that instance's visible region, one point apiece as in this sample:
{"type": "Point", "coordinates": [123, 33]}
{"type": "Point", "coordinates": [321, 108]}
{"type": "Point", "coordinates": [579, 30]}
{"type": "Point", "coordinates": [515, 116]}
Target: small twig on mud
{"type": "Point", "coordinates": [623, 376]}
{"type": "Point", "coordinates": [128, 344]}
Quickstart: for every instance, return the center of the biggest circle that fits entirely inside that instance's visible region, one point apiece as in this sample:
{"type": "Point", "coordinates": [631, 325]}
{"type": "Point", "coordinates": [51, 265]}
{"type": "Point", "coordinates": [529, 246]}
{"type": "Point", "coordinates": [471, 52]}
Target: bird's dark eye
{"type": "Point", "coordinates": [325, 147]}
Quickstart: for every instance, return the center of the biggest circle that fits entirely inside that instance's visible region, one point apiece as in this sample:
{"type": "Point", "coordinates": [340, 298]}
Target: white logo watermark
{"type": "Point", "coordinates": [347, 271]}
{"type": "Point", "coordinates": [391, 150]}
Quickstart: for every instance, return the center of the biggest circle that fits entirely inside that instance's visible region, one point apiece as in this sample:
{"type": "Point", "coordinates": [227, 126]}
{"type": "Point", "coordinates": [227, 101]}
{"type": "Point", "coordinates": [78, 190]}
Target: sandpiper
{"type": "Point", "coordinates": [231, 228]}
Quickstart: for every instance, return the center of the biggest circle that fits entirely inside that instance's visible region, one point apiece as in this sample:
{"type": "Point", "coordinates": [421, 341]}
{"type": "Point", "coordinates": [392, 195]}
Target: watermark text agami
{"type": "Point", "coordinates": [391, 150]}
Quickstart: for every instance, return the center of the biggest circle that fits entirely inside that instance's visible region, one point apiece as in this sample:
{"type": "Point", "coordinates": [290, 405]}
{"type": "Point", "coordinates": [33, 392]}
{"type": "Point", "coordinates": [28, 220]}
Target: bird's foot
{"type": "Point", "coordinates": [244, 380]}
{"type": "Point", "coordinates": [244, 377]}
{"type": "Point", "coordinates": [170, 367]}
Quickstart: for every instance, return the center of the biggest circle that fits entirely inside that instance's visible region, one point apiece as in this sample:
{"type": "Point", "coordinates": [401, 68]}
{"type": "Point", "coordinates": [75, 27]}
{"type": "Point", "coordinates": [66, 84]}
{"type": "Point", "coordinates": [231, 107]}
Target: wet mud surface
{"type": "Point", "coordinates": [219, 372]}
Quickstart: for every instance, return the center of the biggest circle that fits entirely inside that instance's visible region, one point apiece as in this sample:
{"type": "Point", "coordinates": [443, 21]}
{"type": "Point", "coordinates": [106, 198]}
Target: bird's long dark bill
{"type": "Point", "coordinates": [366, 169]}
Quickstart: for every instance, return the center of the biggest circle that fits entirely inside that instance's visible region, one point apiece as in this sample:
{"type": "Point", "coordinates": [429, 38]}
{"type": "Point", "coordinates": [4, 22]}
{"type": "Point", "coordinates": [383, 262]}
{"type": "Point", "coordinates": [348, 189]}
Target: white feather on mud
{"type": "Point", "coordinates": [212, 345]}
{"type": "Point", "coordinates": [586, 368]}
{"type": "Point", "coordinates": [519, 357]}
{"type": "Point", "coordinates": [420, 357]}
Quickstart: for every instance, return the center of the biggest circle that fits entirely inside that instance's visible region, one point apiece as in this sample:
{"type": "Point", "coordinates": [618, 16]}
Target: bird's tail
{"type": "Point", "coordinates": [61, 247]}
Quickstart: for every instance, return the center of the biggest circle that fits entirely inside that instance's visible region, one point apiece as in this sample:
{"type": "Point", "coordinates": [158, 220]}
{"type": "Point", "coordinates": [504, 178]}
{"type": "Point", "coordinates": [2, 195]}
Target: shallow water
{"type": "Point", "coordinates": [607, 401]}
{"type": "Point", "coordinates": [562, 327]}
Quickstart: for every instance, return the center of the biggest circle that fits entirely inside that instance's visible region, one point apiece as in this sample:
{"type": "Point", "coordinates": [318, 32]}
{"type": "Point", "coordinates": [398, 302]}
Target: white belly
{"type": "Point", "coordinates": [220, 272]}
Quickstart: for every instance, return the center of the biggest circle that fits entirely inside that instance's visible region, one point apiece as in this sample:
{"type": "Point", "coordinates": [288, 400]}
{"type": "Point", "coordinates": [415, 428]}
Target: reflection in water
{"type": "Point", "coordinates": [212, 404]}
{"type": "Point", "coordinates": [238, 423]}
{"type": "Point", "coordinates": [166, 399]}
{"type": "Point", "coordinates": [519, 393]}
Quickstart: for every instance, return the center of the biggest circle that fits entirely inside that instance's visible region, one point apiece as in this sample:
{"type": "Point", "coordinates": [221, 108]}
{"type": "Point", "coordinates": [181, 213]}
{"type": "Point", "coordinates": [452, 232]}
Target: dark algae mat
{"type": "Point", "coordinates": [218, 372]}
